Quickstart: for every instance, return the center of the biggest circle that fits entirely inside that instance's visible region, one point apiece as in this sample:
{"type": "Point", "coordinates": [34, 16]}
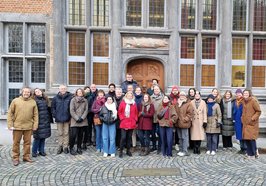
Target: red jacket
{"type": "Point", "coordinates": [145, 121]}
{"type": "Point", "coordinates": [128, 123]}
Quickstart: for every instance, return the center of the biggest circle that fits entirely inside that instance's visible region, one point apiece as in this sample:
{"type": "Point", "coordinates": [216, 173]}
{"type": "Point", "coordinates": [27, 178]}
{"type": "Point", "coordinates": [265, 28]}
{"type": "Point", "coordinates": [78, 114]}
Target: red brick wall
{"type": "Point", "coordinates": [26, 6]}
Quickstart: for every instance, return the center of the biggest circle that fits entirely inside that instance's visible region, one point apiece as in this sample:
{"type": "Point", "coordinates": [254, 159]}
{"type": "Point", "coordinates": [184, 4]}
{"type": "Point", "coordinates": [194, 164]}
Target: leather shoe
{"type": "Point", "coordinates": [27, 160]}
{"type": "Point", "coordinates": [79, 151]}
{"type": "Point", "coordinates": [59, 150]}
{"type": "Point", "coordinates": [66, 151]}
{"type": "Point", "coordinates": [15, 162]}
{"type": "Point", "coordinates": [42, 153]}
{"type": "Point", "coordinates": [34, 154]}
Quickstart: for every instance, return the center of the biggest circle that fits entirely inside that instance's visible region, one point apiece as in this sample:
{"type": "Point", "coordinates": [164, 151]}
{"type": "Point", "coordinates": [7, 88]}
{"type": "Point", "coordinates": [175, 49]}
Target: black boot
{"type": "Point", "coordinates": [121, 153]}
{"type": "Point", "coordinates": [73, 152]}
{"type": "Point", "coordinates": [84, 146]}
{"type": "Point", "coordinates": [147, 151]}
{"type": "Point", "coordinates": [79, 151]}
{"type": "Point", "coordinates": [128, 152]}
{"type": "Point", "coordinates": [194, 150]}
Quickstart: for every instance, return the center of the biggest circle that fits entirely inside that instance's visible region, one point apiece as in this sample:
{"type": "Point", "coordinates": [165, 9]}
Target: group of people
{"type": "Point", "coordinates": [123, 115]}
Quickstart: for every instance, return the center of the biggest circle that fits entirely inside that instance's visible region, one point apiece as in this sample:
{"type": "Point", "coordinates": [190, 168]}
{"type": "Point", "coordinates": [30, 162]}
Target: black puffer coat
{"type": "Point", "coordinates": [44, 126]}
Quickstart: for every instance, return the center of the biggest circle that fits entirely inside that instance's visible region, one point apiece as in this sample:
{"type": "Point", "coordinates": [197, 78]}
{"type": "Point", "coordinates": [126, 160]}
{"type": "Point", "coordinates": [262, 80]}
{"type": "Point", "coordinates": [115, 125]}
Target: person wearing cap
{"type": "Point", "coordinates": [228, 131]}
{"type": "Point", "coordinates": [184, 112]}
{"type": "Point", "coordinates": [167, 116]}
{"type": "Point", "coordinates": [214, 122]}
{"type": "Point", "coordinates": [250, 119]}
{"type": "Point", "coordinates": [199, 122]}
{"type": "Point", "coordinates": [237, 113]}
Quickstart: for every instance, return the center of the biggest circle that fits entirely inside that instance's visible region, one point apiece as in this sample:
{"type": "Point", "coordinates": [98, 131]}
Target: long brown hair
{"type": "Point", "coordinates": [43, 95]}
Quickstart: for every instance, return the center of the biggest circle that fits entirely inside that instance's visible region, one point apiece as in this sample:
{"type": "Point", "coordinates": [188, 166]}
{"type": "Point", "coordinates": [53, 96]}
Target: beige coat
{"type": "Point", "coordinates": [199, 117]}
{"type": "Point", "coordinates": [250, 119]}
{"type": "Point", "coordinates": [23, 114]}
{"type": "Point", "coordinates": [214, 119]}
{"type": "Point", "coordinates": [78, 109]}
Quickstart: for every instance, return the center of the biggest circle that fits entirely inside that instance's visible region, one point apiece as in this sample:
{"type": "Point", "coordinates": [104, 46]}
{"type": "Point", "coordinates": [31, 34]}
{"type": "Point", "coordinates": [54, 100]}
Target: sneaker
{"type": "Point", "coordinates": [213, 153]}
{"type": "Point", "coordinates": [181, 154]}
{"type": "Point", "coordinates": [208, 152]}
{"type": "Point", "coordinates": [105, 155]}
{"type": "Point", "coordinates": [98, 151]}
{"type": "Point", "coordinates": [176, 147]}
{"type": "Point", "coordinates": [41, 154]}
{"type": "Point", "coordinates": [112, 155]}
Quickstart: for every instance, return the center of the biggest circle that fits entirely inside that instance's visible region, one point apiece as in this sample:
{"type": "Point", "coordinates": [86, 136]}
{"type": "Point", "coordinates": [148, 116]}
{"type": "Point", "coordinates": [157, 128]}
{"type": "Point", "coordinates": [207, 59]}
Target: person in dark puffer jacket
{"type": "Point", "coordinates": [44, 124]}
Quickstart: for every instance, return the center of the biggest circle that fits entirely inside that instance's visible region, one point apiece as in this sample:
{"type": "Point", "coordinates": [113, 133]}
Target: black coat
{"type": "Point", "coordinates": [106, 116]}
{"type": "Point", "coordinates": [45, 119]}
{"type": "Point", "coordinates": [60, 107]}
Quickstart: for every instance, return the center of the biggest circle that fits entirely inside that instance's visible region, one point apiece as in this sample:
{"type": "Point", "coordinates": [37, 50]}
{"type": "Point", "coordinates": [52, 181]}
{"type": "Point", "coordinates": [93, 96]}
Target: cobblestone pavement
{"type": "Point", "coordinates": [90, 168]}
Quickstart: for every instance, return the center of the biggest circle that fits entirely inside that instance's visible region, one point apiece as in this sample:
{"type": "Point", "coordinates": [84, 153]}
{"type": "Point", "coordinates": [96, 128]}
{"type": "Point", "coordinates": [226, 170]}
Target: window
{"type": "Point", "coordinates": [76, 58]}
{"type": "Point", "coordinates": [133, 12]}
{"type": "Point", "coordinates": [76, 12]}
{"type": "Point", "coordinates": [37, 38]}
{"type": "Point", "coordinates": [209, 14]}
{"type": "Point", "coordinates": [259, 62]}
{"type": "Point", "coordinates": [100, 13]}
{"type": "Point", "coordinates": [15, 38]}
{"type": "Point", "coordinates": [188, 47]}
{"type": "Point", "coordinates": [101, 44]}
{"type": "Point", "coordinates": [209, 61]}
{"type": "Point", "coordinates": [239, 56]}
{"type": "Point", "coordinates": [188, 14]}
{"type": "Point", "coordinates": [100, 73]}
{"type": "Point", "coordinates": [12, 93]}
{"type": "Point", "coordinates": [186, 75]}
{"type": "Point", "coordinates": [208, 75]}
{"type": "Point", "coordinates": [15, 71]}
{"type": "Point", "coordinates": [37, 71]}
{"type": "Point", "coordinates": [259, 15]}
{"type": "Point", "coordinates": [156, 13]}
{"type": "Point", "coordinates": [240, 15]}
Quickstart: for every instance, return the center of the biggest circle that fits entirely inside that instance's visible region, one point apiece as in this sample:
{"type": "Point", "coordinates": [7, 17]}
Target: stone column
{"type": "Point", "coordinates": [116, 65]}
{"type": "Point", "coordinates": [224, 73]}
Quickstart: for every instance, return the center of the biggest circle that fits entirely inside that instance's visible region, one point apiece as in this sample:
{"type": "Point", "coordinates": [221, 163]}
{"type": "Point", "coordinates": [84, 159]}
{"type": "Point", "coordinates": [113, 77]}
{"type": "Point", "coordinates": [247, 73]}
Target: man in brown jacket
{"type": "Point", "coordinates": [22, 119]}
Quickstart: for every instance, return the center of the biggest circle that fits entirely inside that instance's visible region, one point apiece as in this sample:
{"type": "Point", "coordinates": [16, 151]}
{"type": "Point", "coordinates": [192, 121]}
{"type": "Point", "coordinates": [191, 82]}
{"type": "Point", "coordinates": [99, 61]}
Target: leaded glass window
{"type": "Point", "coordinates": [37, 38]}
{"type": "Point", "coordinates": [156, 13]}
{"type": "Point", "coordinates": [239, 15]}
{"type": "Point", "coordinates": [209, 14]}
{"type": "Point", "coordinates": [15, 38]}
{"type": "Point", "coordinates": [15, 71]}
{"type": "Point", "coordinates": [133, 12]}
{"type": "Point", "coordinates": [188, 14]}
{"type": "Point", "coordinates": [101, 12]}
{"type": "Point", "coordinates": [260, 15]}
{"type": "Point", "coordinates": [76, 12]}
{"type": "Point", "coordinates": [37, 71]}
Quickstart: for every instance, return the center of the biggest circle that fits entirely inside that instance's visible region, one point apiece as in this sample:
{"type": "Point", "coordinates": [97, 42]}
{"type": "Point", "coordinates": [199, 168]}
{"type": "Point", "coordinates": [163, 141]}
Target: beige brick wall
{"type": "Point", "coordinates": [27, 6]}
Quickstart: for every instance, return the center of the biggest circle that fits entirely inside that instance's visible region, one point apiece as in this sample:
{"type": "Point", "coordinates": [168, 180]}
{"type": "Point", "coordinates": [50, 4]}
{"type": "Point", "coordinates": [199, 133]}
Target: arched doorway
{"type": "Point", "coordinates": [144, 70]}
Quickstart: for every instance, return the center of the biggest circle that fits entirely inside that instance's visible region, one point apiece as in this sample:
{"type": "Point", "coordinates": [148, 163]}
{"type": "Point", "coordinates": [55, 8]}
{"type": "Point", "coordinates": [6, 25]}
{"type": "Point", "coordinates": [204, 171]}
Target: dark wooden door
{"type": "Point", "coordinates": [144, 70]}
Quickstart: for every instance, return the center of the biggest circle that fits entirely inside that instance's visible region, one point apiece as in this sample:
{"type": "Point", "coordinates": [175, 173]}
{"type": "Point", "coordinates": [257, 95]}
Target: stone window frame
{"type": "Point", "coordinates": [99, 59]}
{"type": "Point", "coordinates": [254, 18]}
{"type": "Point", "coordinates": [216, 21]}
{"type": "Point", "coordinates": [108, 15]}
{"type": "Point", "coordinates": [30, 39]}
{"type": "Point", "coordinates": [7, 37]}
{"type": "Point", "coordinates": [247, 17]}
{"type": "Point", "coordinates": [196, 16]}
{"type": "Point", "coordinates": [83, 22]}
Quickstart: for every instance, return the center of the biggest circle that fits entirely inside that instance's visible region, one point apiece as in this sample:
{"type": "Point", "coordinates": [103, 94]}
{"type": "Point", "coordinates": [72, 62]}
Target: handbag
{"type": "Point", "coordinates": [161, 114]}
{"type": "Point", "coordinates": [96, 120]}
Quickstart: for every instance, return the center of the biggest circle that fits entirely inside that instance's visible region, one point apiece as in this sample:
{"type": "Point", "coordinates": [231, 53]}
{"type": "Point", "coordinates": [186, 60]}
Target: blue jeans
{"type": "Point", "coordinates": [183, 139]}
{"type": "Point", "coordinates": [212, 141]}
{"type": "Point", "coordinates": [167, 140]}
{"type": "Point", "coordinates": [251, 147]}
{"type": "Point", "coordinates": [99, 138]}
{"type": "Point", "coordinates": [108, 133]}
{"type": "Point", "coordinates": [144, 137]}
{"type": "Point", "coordinates": [38, 145]}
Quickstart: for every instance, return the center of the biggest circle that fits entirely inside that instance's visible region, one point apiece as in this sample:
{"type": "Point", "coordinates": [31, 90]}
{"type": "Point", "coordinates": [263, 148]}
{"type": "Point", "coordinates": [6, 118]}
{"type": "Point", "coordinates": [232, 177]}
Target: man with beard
{"type": "Point", "coordinates": [111, 91]}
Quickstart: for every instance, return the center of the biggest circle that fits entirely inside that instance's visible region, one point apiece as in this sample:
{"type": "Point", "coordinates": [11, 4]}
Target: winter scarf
{"type": "Point", "coordinates": [157, 97]}
{"type": "Point", "coordinates": [174, 98]}
{"type": "Point", "coordinates": [112, 107]}
{"type": "Point", "coordinates": [138, 98]}
{"type": "Point", "coordinates": [79, 99]}
{"type": "Point", "coordinates": [197, 103]}
{"type": "Point", "coordinates": [145, 105]}
{"type": "Point", "coordinates": [210, 105]}
{"type": "Point", "coordinates": [181, 101]}
{"type": "Point", "coordinates": [127, 109]}
{"type": "Point", "coordinates": [239, 101]}
{"type": "Point", "coordinates": [229, 108]}
{"type": "Point", "coordinates": [166, 114]}
{"type": "Point", "coordinates": [100, 101]}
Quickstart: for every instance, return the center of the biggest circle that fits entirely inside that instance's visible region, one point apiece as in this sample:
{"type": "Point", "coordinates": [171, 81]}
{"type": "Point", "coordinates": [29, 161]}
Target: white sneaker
{"type": "Point", "coordinates": [176, 147]}
{"type": "Point", "coordinates": [112, 155]}
{"type": "Point", "coordinates": [213, 153]}
{"type": "Point", "coordinates": [181, 154]}
{"type": "Point", "coordinates": [105, 154]}
{"type": "Point", "coordinates": [208, 152]}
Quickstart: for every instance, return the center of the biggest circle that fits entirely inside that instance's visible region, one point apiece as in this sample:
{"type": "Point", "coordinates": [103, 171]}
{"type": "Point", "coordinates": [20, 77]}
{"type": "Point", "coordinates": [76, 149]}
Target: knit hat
{"type": "Point", "coordinates": [182, 93]}
{"type": "Point", "coordinates": [175, 87]}
{"type": "Point", "coordinates": [211, 96]}
{"type": "Point", "coordinates": [239, 91]}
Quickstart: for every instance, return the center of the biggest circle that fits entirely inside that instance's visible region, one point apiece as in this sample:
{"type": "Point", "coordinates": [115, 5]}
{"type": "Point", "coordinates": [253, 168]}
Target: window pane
{"type": "Point", "coordinates": [208, 48]}
{"type": "Point", "coordinates": [187, 75]}
{"type": "Point", "coordinates": [238, 76]}
{"type": "Point", "coordinates": [12, 93]}
{"type": "Point", "coordinates": [133, 14]}
{"type": "Point", "coordinates": [208, 75]}
{"type": "Point", "coordinates": [101, 44]}
{"type": "Point", "coordinates": [239, 49]}
{"type": "Point", "coordinates": [76, 12]}
{"type": "Point", "coordinates": [76, 73]}
{"type": "Point", "coordinates": [259, 49]}
{"type": "Point", "coordinates": [209, 14]}
{"type": "Point", "coordinates": [239, 14]}
{"type": "Point", "coordinates": [37, 71]}
{"type": "Point", "coordinates": [76, 44]}
{"type": "Point", "coordinates": [101, 13]}
{"type": "Point", "coordinates": [260, 15]}
{"type": "Point", "coordinates": [188, 14]}
{"type": "Point", "coordinates": [15, 38]}
{"type": "Point", "coordinates": [187, 47]}
{"type": "Point", "coordinates": [15, 71]}
{"type": "Point", "coordinates": [37, 39]}
{"type": "Point", "coordinates": [156, 13]}
{"type": "Point", "coordinates": [100, 73]}
{"type": "Point", "coordinates": [258, 76]}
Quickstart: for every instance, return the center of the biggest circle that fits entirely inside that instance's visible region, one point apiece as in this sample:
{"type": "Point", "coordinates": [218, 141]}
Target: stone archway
{"type": "Point", "coordinates": [144, 70]}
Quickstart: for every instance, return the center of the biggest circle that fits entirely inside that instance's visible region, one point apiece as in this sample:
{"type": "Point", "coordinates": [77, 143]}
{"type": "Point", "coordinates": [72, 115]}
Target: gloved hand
{"type": "Point", "coordinates": [218, 125]}
{"type": "Point", "coordinates": [79, 120]}
{"type": "Point", "coordinates": [142, 113]}
{"type": "Point", "coordinates": [204, 125]}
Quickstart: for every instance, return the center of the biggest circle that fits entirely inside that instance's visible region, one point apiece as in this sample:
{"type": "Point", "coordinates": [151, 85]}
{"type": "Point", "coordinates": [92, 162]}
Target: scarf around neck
{"type": "Point", "coordinates": [127, 109]}
{"type": "Point", "coordinates": [112, 107]}
{"type": "Point", "coordinates": [166, 106]}
{"type": "Point", "coordinates": [210, 105]}
{"type": "Point", "coordinates": [181, 101]}
{"type": "Point", "coordinates": [229, 108]}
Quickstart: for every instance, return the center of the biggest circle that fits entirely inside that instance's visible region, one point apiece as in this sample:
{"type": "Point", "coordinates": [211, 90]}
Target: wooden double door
{"type": "Point", "coordinates": [144, 70]}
